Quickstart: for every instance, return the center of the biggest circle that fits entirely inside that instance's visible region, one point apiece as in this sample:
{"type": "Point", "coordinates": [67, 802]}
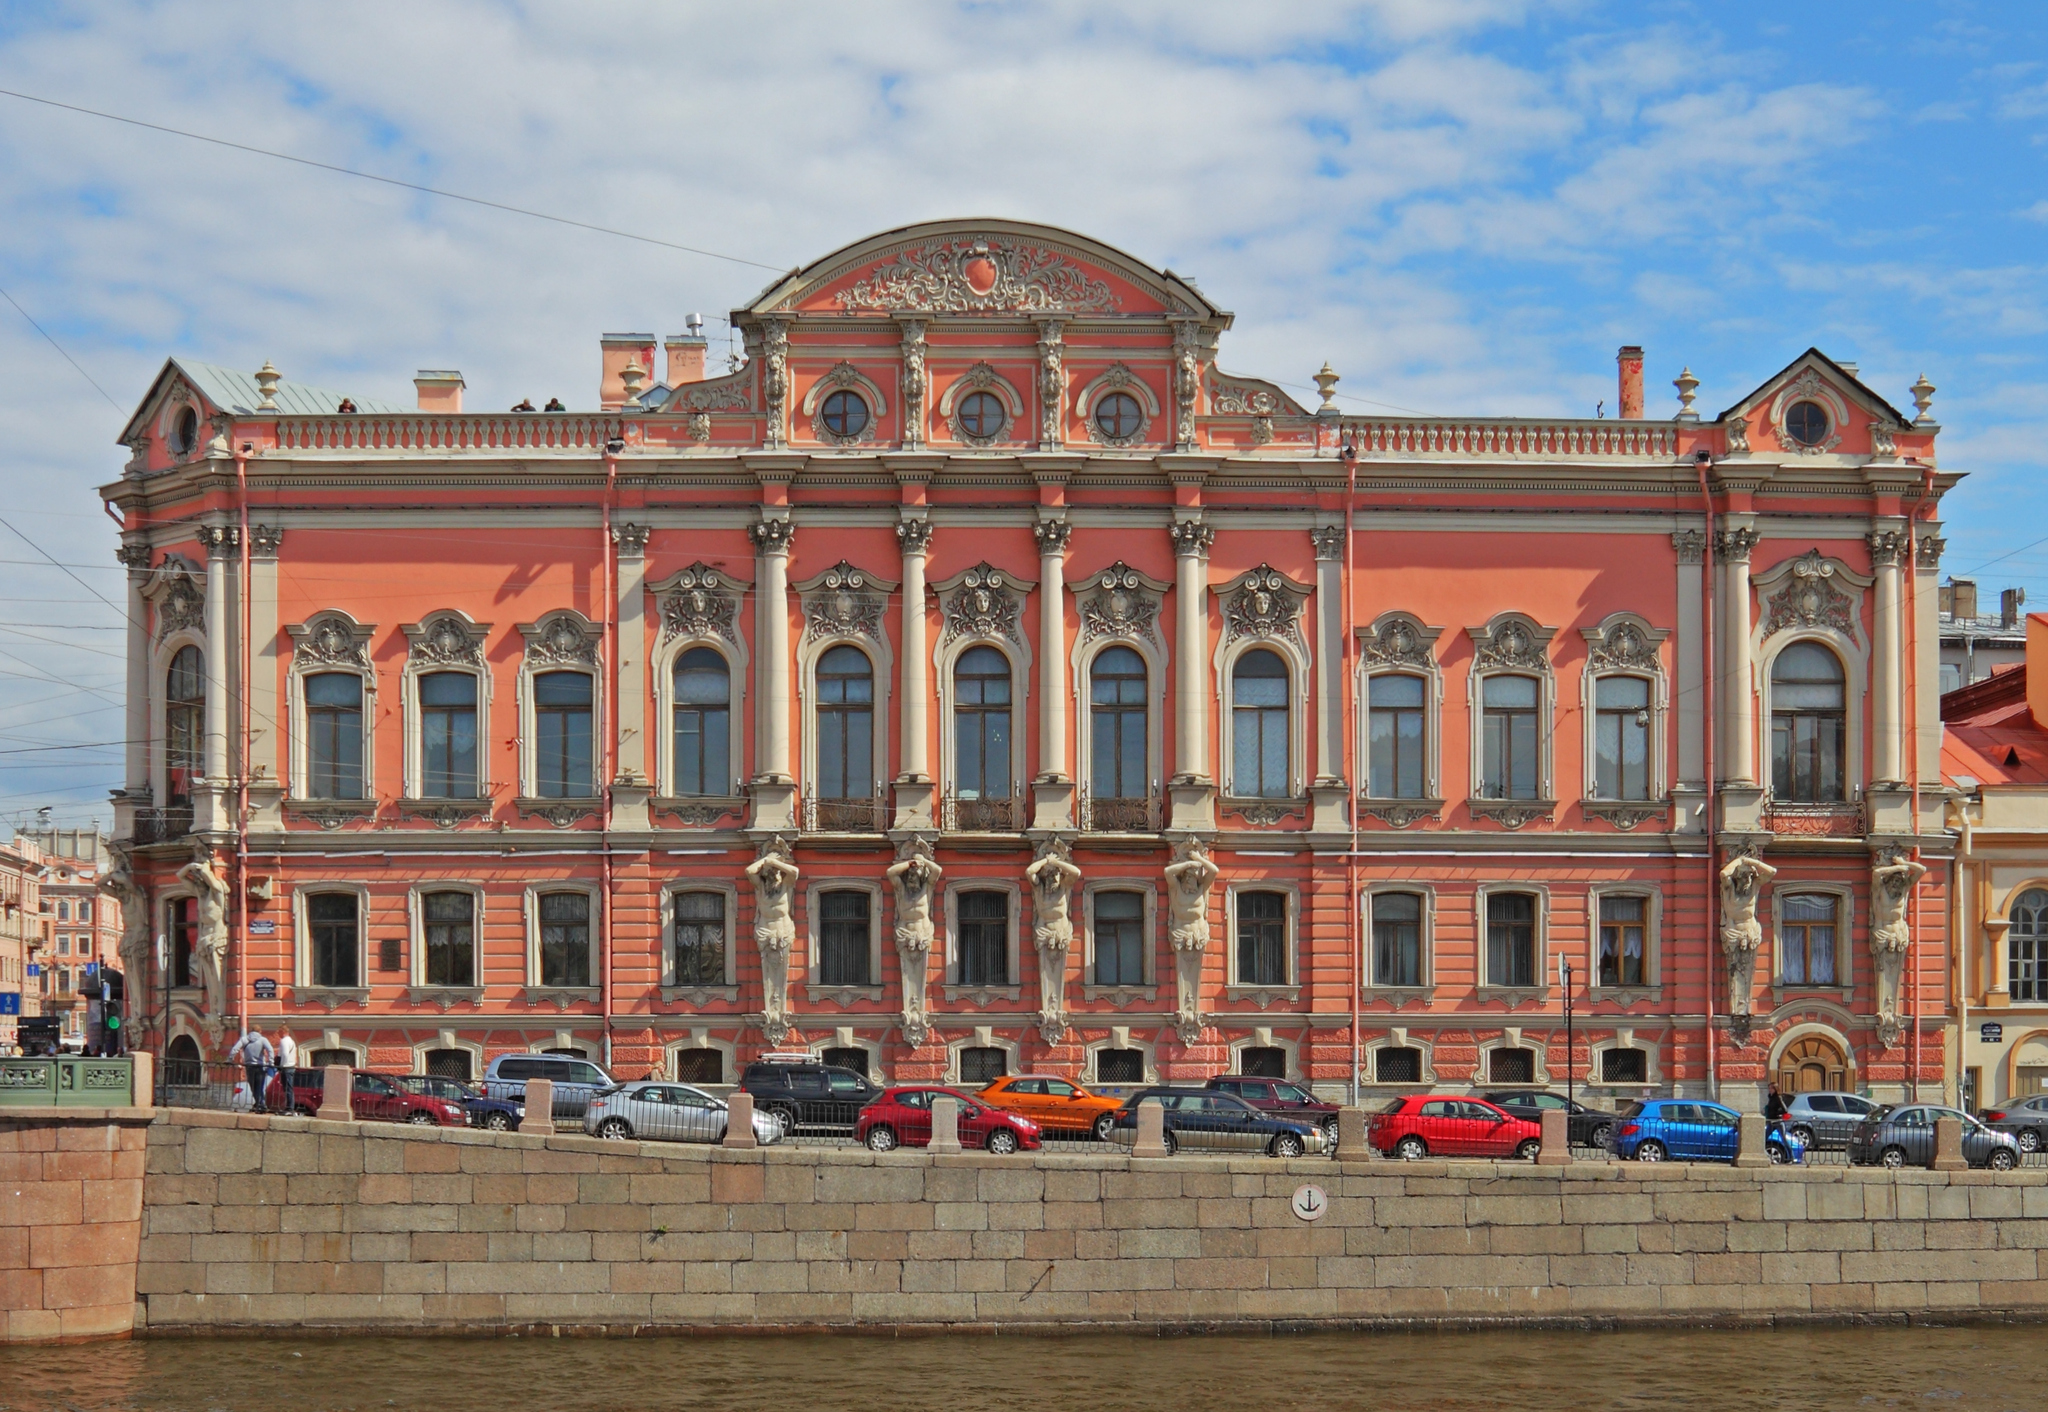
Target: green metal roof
{"type": "Point", "coordinates": [235, 391]}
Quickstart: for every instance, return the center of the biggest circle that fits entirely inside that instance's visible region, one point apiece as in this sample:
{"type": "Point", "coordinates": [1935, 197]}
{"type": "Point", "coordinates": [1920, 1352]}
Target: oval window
{"type": "Point", "coordinates": [1807, 423]}
{"type": "Point", "coordinates": [981, 416]}
{"type": "Point", "coordinates": [844, 414]}
{"type": "Point", "coordinates": [184, 431]}
{"type": "Point", "coordinates": [1118, 417]}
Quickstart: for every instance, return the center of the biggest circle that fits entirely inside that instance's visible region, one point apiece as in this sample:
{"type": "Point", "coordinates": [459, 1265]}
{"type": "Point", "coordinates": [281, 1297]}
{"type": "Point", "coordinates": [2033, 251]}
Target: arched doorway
{"type": "Point", "coordinates": [1814, 1064]}
{"type": "Point", "coordinates": [182, 1065]}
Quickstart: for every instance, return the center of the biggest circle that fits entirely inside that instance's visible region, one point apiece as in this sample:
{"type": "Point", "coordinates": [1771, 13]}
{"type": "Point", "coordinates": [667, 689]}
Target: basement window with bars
{"type": "Point", "coordinates": [449, 1064]}
{"type": "Point", "coordinates": [1397, 1065]}
{"type": "Point", "coordinates": [1119, 1066]}
{"type": "Point", "coordinates": [840, 1057]}
{"type": "Point", "coordinates": [1624, 1066]}
{"type": "Point", "coordinates": [1268, 1061]}
{"type": "Point", "coordinates": [982, 1064]}
{"type": "Point", "coordinates": [700, 1066]}
{"type": "Point", "coordinates": [1511, 1066]}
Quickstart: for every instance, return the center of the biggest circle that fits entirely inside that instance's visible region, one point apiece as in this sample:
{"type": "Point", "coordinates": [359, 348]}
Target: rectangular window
{"type": "Point", "coordinates": [1395, 737]}
{"type": "Point", "coordinates": [448, 753]}
{"type": "Point", "coordinates": [843, 934]}
{"type": "Point", "coordinates": [1511, 939]}
{"type": "Point", "coordinates": [336, 938]}
{"type": "Point", "coordinates": [562, 735]}
{"type": "Point", "coordinates": [1262, 938]}
{"type": "Point", "coordinates": [700, 938]}
{"type": "Point", "coordinates": [565, 938]}
{"type": "Point", "coordinates": [984, 930]}
{"type": "Point", "coordinates": [1508, 730]}
{"type": "Point", "coordinates": [700, 1066]}
{"type": "Point", "coordinates": [184, 939]}
{"type": "Point", "coordinates": [1511, 1066]}
{"type": "Point", "coordinates": [449, 1064]}
{"type": "Point", "coordinates": [334, 736]}
{"type": "Point", "coordinates": [450, 919]}
{"type": "Point", "coordinates": [1624, 1066]}
{"type": "Point", "coordinates": [1622, 925]}
{"type": "Point", "coordinates": [853, 1059]}
{"type": "Point", "coordinates": [1119, 1066]}
{"type": "Point", "coordinates": [1396, 939]}
{"type": "Point", "coordinates": [1262, 1061]}
{"type": "Point", "coordinates": [1119, 938]}
{"type": "Point", "coordinates": [981, 1065]}
{"type": "Point", "coordinates": [1621, 738]}
{"type": "Point", "coordinates": [1397, 1066]}
{"type": "Point", "coordinates": [1808, 940]}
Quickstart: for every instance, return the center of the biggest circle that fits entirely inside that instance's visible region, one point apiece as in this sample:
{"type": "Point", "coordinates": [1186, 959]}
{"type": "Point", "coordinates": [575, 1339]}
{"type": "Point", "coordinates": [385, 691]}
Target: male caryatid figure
{"type": "Point", "coordinates": [1742, 882]}
{"type": "Point", "coordinates": [210, 946]}
{"type": "Point", "coordinates": [915, 875]}
{"type": "Point", "coordinates": [1188, 880]}
{"type": "Point", "coordinates": [1052, 876]}
{"type": "Point", "coordinates": [774, 875]}
{"type": "Point", "coordinates": [1891, 935]}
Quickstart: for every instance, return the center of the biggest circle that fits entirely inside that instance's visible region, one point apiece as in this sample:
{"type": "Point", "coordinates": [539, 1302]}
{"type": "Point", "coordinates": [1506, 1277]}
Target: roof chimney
{"type": "Point", "coordinates": [1630, 359]}
{"type": "Point", "coordinates": [1965, 599]}
{"type": "Point", "coordinates": [440, 389]}
{"type": "Point", "coordinates": [2009, 604]}
{"type": "Point", "coordinates": [686, 354]}
{"type": "Point", "coordinates": [619, 349]}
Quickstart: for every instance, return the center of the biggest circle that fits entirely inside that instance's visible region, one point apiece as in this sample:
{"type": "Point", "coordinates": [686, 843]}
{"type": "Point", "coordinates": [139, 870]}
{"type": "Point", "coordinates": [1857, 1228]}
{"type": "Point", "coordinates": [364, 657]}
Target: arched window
{"type": "Point", "coordinates": [184, 724]}
{"type": "Point", "coordinates": [1116, 701]}
{"type": "Point", "coordinates": [1509, 737]}
{"type": "Point", "coordinates": [846, 724]}
{"type": "Point", "coordinates": [1621, 738]}
{"type": "Point", "coordinates": [448, 736]}
{"type": "Point", "coordinates": [981, 724]}
{"type": "Point", "coordinates": [703, 723]}
{"type": "Point", "coordinates": [1258, 707]}
{"type": "Point", "coordinates": [2028, 943]}
{"type": "Point", "coordinates": [1395, 737]}
{"type": "Point", "coordinates": [334, 736]}
{"type": "Point", "coordinates": [1808, 724]}
{"type": "Point", "coordinates": [562, 736]}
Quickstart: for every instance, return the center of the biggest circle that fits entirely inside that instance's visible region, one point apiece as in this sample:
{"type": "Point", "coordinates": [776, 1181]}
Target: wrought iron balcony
{"type": "Point", "coordinates": [163, 825]}
{"type": "Point", "coordinates": [1117, 815]}
{"type": "Point", "coordinates": [845, 815]}
{"type": "Point", "coordinates": [957, 815]}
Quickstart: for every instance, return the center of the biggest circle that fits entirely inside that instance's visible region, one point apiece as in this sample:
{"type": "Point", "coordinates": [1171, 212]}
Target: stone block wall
{"type": "Point", "coordinates": [70, 1222]}
{"type": "Point", "coordinates": [271, 1222]}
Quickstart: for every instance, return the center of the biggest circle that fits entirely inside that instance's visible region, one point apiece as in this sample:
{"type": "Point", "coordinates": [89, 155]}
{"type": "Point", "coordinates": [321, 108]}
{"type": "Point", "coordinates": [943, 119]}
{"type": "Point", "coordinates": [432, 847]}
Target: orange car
{"type": "Point", "coordinates": [1055, 1104]}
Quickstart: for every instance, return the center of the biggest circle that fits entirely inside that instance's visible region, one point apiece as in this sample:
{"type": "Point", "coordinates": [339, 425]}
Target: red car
{"type": "Point", "coordinates": [1420, 1125]}
{"type": "Point", "coordinates": [902, 1117]}
{"type": "Point", "coordinates": [376, 1098]}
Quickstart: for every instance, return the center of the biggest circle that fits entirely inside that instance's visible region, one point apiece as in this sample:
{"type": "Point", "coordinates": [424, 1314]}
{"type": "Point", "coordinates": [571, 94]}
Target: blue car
{"type": "Point", "coordinates": [497, 1114]}
{"type": "Point", "coordinates": [1689, 1130]}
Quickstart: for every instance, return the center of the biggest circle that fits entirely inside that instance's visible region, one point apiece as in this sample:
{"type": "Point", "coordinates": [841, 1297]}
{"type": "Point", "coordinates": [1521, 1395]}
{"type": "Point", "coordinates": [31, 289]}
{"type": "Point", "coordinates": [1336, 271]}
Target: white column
{"type": "Point", "coordinates": [1924, 714]}
{"type": "Point", "coordinates": [1738, 676]}
{"type": "Point", "coordinates": [221, 544]}
{"type": "Point", "coordinates": [632, 649]}
{"type": "Point", "coordinates": [1330, 686]}
{"type": "Point", "coordinates": [914, 788]}
{"type": "Point", "coordinates": [1191, 541]}
{"type": "Point", "coordinates": [267, 715]}
{"type": "Point", "coordinates": [774, 786]}
{"type": "Point", "coordinates": [136, 781]}
{"type": "Point", "coordinates": [1052, 641]}
{"type": "Point", "coordinates": [1691, 693]}
{"type": "Point", "coordinates": [1887, 551]}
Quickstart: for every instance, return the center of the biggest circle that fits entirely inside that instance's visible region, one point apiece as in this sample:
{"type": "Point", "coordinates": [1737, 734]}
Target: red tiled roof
{"type": "Point", "coordinates": [1967, 705]}
{"type": "Point", "coordinates": [2007, 748]}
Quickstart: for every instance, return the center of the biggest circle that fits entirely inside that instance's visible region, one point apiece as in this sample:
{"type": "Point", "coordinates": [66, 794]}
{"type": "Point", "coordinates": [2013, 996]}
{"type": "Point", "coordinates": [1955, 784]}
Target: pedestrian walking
{"type": "Point", "coordinates": [287, 1066]}
{"type": "Point", "coordinates": [256, 1056]}
{"type": "Point", "coordinates": [1774, 1106]}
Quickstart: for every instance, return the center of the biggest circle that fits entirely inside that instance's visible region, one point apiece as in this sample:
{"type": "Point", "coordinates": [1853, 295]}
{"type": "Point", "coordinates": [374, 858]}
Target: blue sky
{"type": "Point", "coordinates": [1462, 205]}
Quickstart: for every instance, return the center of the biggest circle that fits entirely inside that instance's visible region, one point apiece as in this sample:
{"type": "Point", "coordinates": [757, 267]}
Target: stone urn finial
{"type": "Point", "coordinates": [1686, 384]}
{"type": "Point", "coordinates": [1326, 383]}
{"type": "Point", "coordinates": [267, 379]}
{"type": "Point", "coordinates": [631, 377]}
{"type": "Point", "coordinates": [1923, 398]}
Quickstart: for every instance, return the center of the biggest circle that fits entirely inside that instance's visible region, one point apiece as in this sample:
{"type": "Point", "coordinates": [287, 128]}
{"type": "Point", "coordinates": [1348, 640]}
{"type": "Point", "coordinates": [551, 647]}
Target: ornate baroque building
{"type": "Point", "coordinates": [980, 678]}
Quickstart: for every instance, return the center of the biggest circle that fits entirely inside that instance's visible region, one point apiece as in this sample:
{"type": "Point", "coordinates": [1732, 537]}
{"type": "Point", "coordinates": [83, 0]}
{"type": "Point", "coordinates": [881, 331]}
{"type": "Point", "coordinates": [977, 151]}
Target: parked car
{"type": "Point", "coordinates": [1203, 1120]}
{"type": "Point", "coordinates": [497, 1114]}
{"type": "Point", "coordinates": [576, 1080]}
{"type": "Point", "coordinates": [384, 1098]}
{"type": "Point", "coordinates": [668, 1112]}
{"type": "Point", "coordinates": [1277, 1098]}
{"type": "Point", "coordinates": [1418, 1125]}
{"type": "Point", "coordinates": [808, 1095]}
{"type": "Point", "coordinates": [297, 1091]}
{"type": "Point", "coordinates": [1584, 1127]}
{"type": "Point", "coordinates": [2026, 1120]}
{"type": "Point", "coordinates": [1824, 1121]}
{"type": "Point", "coordinates": [902, 1117]}
{"type": "Point", "coordinates": [1057, 1105]}
{"type": "Point", "coordinates": [1904, 1137]}
{"type": "Point", "coordinates": [1690, 1131]}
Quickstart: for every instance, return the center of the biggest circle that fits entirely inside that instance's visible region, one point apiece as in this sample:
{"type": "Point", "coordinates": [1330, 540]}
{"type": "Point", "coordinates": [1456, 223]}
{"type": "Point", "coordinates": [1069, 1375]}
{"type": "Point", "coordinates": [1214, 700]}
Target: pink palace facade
{"type": "Point", "coordinates": [456, 733]}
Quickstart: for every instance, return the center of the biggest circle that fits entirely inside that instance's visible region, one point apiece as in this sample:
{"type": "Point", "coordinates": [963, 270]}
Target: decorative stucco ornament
{"type": "Point", "coordinates": [985, 604]}
{"type": "Point", "coordinates": [774, 876]}
{"type": "Point", "coordinates": [701, 604]}
{"type": "Point", "coordinates": [979, 275]}
{"type": "Point", "coordinates": [1810, 599]}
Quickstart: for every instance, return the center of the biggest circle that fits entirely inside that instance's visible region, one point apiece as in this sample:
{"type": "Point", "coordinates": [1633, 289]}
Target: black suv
{"type": "Point", "coordinates": [809, 1097]}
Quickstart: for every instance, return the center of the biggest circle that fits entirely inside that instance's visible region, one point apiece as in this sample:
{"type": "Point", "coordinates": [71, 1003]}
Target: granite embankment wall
{"type": "Point", "coordinates": [253, 1222]}
{"type": "Point", "coordinates": [70, 1221]}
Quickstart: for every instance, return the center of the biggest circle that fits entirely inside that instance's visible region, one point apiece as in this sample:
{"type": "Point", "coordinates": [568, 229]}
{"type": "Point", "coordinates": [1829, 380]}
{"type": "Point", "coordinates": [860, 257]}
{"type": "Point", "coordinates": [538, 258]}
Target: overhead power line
{"type": "Point", "coordinates": [60, 348]}
{"type": "Point", "coordinates": [385, 180]}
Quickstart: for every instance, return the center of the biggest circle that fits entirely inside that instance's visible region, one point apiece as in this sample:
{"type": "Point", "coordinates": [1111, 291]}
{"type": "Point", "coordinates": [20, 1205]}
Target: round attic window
{"type": "Point", "coordinates": [184, 431]}
{"type": "Point", "coordinates": [1118, 416]}
{"type": "Point", "coordinates": [981, 415]}
{"type": "Point", "coordinates": [1807, 423]}
{"type": "Point", "coordinates": [844, 414]}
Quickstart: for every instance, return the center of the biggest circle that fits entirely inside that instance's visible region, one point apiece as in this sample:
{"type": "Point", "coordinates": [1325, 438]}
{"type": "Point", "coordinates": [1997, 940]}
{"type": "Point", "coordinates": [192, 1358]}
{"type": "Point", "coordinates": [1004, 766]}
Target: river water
{"type": "Point", "coordinates": [1992, 1366]}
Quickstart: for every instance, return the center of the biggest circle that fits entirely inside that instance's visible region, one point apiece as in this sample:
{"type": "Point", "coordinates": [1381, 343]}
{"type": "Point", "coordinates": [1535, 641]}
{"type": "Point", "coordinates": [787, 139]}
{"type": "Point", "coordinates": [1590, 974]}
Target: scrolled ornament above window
{"type": "Point", "coordinates": [986, 602]}
{"type": "Point", "coordinates": [844, 601]}
{"type": "Point", "coordinates": [1264, 603]}
{"type": "Point", "coordinates": [978, 275]}
{"type": "Point", "coordinates": [1810, 598]}
{"type": "Point", "coordinates": [1120, 602]}
{"type": "Point", "coordinates": [700, 602]}
{"type": "Point", "coordinates": [1512, 643]}
{"type": "Point", "coordinates": [446, 639]}
{"type": "Point", "coordinates": [331, 639]}
{"type": "Point", "coordinates": [1397, 640]}
{"type": "Point", "coordinates": [561, 639]}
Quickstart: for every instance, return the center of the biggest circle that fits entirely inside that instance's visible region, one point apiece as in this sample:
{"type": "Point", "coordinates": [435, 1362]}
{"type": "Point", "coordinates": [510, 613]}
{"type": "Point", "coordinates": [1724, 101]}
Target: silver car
{"type": "Point", "coordinates": [1825, 1120]}
{"type": "Point", "coordinates": [668, 1112]}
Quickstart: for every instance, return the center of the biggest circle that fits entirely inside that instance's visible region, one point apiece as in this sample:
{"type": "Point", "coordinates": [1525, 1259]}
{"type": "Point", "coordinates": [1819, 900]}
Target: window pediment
{"type": "Point", "coordinates": [177, 589]}
{"type": "Point", "coordinates": [984, 603]}
{"type": "Point", "coordinates": [1512, 642]}
{"type": "Point", "coordinates": [1813, 591]}
{"type": "Point", "coordinates": [1624, 642]}
{"type": "Point", "coordinates": [1119, 602]}
{"type": "Point", "coordinates": [1263, 605]}
{"type": "Point", "coordinates": [561, 639]}
{"type": "Point", "coordinates": [1398, 640]}
{"type": "Point", "coordinates": [700, 602]}
{"type": "Point", "coordinates": [845, 601]}
{"type": "Point", "coordinates": [446, 639]}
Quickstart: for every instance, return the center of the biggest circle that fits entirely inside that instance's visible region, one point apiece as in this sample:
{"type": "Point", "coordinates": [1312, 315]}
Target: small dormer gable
{"type": "Point", "coordinates": [1816, 406]}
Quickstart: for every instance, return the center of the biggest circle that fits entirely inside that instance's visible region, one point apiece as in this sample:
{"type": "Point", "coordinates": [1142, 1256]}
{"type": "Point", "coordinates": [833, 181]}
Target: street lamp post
{"type": "Point", "coordinates": [1564, 980]}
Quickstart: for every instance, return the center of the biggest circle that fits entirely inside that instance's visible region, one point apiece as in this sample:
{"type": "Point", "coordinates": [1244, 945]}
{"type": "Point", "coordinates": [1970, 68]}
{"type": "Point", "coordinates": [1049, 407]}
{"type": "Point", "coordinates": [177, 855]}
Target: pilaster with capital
{"type": "Point", "coordinates": [915, 385]}
{"type": "Point", "coordinates": [1052, 383]}
{"type": "Point", "coordinates": [1689, 547]}
{"type": "Point", "coordinates": [632, 781]}
{"type": "Point", "coordinates": [1888, 549]}
{"type": "Point", "coordinates": [1737, 707]}
{"type": "Point", "coordinates": [135, 556]}
{"type": "Point", "coordinates": [268, 716]}
{"type": "Point", "coordinates": [915, 792]}
{"type": "Point", "coordinates": [773, 786]}
{"type": "Point", "coordinates": [1328, 796]}
{"type": "Point", "coordinates": [223, 545]}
